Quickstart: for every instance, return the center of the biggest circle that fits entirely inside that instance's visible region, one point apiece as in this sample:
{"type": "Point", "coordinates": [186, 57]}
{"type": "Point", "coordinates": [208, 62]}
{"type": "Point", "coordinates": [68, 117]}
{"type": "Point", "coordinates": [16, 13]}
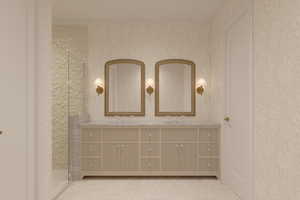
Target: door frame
{"type": "Point", "coordinates": [31, 100]}
{"type": "Point", "coordinates": [39, 99]}
{"type": "Point", "coordinates": [39, 108]}
{"type": "Point", "coordinates": [249, 11]}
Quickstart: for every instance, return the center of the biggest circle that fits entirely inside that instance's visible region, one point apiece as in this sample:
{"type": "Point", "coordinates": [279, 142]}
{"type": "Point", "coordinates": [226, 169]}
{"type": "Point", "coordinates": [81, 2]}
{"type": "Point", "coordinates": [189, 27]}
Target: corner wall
{"type": "Point", "coordinates": [277, 95]}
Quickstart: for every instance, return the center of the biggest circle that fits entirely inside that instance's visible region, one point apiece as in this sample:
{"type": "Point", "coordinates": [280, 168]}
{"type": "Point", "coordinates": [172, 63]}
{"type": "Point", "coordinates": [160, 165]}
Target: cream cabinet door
{"type": "Point", "coordinates": [179, 156]}
{"type": "Point", "coordinates": [120, 156]}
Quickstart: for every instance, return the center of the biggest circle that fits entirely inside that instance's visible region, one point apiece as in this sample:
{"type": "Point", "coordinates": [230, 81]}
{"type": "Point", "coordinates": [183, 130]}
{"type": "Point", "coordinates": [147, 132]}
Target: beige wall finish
{"type": "Point", "coordinates": [149, 42]}
{"type": "Point", "coordinates": [277, 99]}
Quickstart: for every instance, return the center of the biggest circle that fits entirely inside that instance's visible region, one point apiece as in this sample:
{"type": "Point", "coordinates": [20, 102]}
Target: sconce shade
{"type": "Point", "coordinates": [201, 85]}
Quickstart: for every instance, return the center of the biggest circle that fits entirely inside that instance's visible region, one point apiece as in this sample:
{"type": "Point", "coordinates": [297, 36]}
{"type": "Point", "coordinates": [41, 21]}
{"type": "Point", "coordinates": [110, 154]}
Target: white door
{"type": "Point", "coordinates": [13, 100]}
{"type": "Point", "coordinates": [238, 128]}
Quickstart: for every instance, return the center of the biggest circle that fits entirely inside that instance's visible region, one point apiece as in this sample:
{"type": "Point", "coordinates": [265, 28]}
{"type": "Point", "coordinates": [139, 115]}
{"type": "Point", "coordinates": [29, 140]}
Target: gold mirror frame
{"type": "Point", "coordinates": [193, 85]}
{"type": "Point", "coordinates": [124, 61]}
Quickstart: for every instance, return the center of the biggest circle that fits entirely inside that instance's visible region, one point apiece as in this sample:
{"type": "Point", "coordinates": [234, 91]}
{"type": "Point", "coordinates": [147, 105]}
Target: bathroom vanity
{"type": "Point", "coordinates": [150, 150]}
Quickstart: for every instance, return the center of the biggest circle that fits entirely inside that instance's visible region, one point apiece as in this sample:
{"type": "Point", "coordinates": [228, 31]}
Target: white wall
{"type": "Point", "coordinates": [226, 16]}
{"type": "Point", "coordinates": [220, 24]}
{"type": "Point", "coordinates": [14, 86]}
{"type": "Point", "coordinates": [277, 99]}
{"type": "Point", "coordinates": [149, 42]}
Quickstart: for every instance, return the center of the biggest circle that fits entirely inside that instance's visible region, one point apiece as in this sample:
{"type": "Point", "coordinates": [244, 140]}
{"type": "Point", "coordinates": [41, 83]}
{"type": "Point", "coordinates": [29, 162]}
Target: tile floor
{"type": "Point", "coordinates": [148, 189]}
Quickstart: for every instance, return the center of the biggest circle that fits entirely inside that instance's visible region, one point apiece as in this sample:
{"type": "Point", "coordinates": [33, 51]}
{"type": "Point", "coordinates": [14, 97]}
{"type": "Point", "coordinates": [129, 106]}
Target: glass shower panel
{"type": "Point", "coordinates": [60, 117]}
{"type": "Point", "coordinates": [69, 101]}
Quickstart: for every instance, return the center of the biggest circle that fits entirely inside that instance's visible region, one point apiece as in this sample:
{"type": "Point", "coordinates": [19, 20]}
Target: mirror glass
{"type": "Point", "coordinates": [125, 80]}
{"type": "Point", "coordinates": [176, 87]}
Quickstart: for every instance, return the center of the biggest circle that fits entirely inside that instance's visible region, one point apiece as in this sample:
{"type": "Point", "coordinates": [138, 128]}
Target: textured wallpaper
{"type": "Point", "coordinates": [277, 99]}
{"type": "Point", "coordinates": [149, 42]}
{"type": "Point", "coordinates": [69, 48]}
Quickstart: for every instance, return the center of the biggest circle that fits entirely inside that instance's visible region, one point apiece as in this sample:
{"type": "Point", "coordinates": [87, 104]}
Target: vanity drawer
{"type": "Point", "coordinates": [150, 164]}
{"type": "Point", "coordinates": [208, 164]}
{"type": "Point", "coordinates": [120, 134]}
{"type": "Point", "coordinates": [208, 149]}
{"type": "Point", "coordinates": [150, 149]}
{"type": "Point", "coordinates": [208, 135]}
{"type": "Point", "coordinates": [150, 135]}
{"type": "Point", "coordinates": [179, 134]}
{"type": "Point", "coordinates": [92, 149]}
{"type": "Point", "coordinates": [90, 135]}
{"type": "Point", "coordinates": [90, 164]}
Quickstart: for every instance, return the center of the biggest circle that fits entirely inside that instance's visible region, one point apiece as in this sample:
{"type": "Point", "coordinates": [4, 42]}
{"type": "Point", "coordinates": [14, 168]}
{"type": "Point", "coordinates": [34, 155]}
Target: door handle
{"type": "Point", "coordinates": [227, 119]}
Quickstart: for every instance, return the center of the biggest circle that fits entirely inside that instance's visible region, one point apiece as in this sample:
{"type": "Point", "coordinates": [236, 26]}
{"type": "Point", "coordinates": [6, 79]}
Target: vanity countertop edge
{"type": "Point", "coordinates": [97, 125]}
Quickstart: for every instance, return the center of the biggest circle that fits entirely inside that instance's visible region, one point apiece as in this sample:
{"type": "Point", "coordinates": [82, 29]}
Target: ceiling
{"type": "Point", "coordinates": [199, 10]}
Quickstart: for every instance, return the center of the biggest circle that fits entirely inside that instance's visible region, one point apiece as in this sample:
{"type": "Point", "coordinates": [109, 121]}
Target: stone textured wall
{"type": "Point", "coordinates": [277, 99]}
{"type": "Point", "coordinates": [69, 49]}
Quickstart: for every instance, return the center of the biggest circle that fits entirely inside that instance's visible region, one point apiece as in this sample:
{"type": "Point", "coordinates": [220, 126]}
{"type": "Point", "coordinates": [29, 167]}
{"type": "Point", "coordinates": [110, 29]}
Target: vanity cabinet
{"type": "Point", "coordinates": [150, 150]}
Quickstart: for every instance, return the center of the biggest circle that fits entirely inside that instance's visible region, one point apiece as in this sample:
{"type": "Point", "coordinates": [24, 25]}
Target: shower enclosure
{"type": "Point", "coordinates": [68, 103]}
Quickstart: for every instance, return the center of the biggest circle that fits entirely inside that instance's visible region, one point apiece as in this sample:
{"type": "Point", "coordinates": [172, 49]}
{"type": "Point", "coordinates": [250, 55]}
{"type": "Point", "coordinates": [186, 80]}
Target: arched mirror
{"type": "Point", "coordinates": [125, 88]}
{"type": "Point", "coordinates": [175, 88]}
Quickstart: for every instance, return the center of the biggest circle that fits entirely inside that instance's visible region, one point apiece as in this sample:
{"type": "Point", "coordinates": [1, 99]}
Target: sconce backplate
{"type": "Point", "coordinates": [200, 90]}
{"type": "Point", "coordinates": [150, 90]}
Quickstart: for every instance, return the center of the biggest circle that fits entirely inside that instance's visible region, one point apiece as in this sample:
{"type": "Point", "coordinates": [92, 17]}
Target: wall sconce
{"type": "Point", "coordinates": [149, 86]}
{"type": "Point", "coordinates": [99, 86]}
{"type": "Point", "coordinates": [200, 86]}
